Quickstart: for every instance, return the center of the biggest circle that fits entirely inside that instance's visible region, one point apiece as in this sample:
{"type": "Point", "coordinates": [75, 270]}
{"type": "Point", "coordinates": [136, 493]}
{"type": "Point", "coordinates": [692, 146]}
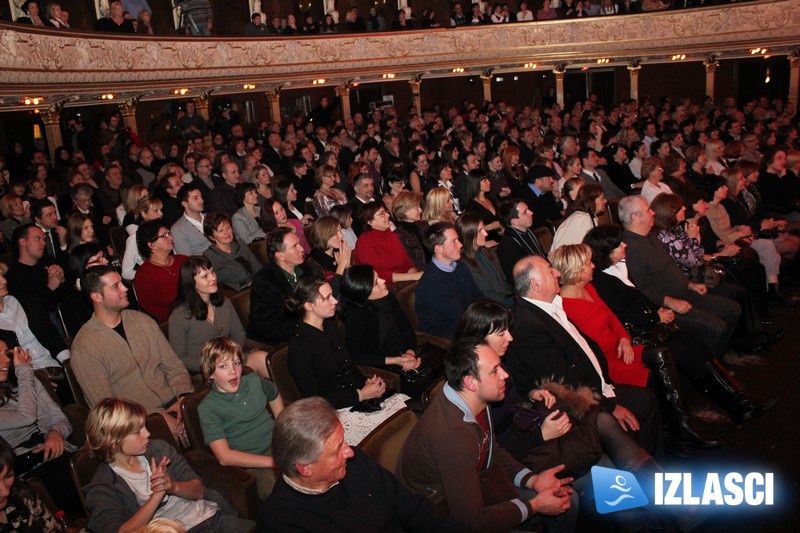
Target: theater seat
{"type": "Point", "coordinates": [407, 297]}
{"type": "Point", "coordinates": [385, 442]}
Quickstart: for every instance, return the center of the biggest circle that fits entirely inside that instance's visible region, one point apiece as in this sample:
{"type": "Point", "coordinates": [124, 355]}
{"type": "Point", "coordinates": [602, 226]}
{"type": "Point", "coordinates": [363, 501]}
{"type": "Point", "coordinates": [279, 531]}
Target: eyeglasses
{"type": "Point", "coordinates": [165, 234]}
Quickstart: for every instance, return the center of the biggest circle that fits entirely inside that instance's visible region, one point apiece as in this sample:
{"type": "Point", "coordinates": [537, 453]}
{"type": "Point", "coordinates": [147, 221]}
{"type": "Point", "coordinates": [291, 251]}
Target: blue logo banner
{"type": "Point", "coordinates": [616, 490]}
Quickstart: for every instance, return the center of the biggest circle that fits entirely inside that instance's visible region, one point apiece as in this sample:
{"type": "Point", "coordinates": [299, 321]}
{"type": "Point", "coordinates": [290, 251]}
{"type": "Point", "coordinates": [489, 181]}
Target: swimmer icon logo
{"type": "Point", "coordinates": [616, 490]}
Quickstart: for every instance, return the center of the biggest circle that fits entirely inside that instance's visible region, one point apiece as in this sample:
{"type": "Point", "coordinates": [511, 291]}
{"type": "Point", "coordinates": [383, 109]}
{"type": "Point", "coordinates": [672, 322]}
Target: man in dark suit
{"type": "Point", "coordinates": [548, 346]}
{"type": "Point", "coordinates": [269, 321]}
{"type": "Point", "coordinates": [518, 240]}
{"type": "Point", "coordinates": [55, 236]}
{"type": "Point", "coordinates": [590, 160]}
{"type": "Point", "coordinates": [538, 194]}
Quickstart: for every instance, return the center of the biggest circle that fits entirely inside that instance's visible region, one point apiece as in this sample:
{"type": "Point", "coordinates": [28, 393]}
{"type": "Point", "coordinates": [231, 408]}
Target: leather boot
{"type": "Point", "coordinates": [659, 360]}
{"type": "Point", "coordinates": [723, 388]}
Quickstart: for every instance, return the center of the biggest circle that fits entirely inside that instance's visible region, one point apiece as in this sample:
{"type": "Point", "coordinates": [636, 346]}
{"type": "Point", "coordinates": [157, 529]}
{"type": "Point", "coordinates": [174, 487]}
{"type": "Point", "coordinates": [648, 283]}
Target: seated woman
{"type": "Point", "coordinates": [482, 262]}
{"type": "Point", "coordinates": [611, 282]}
{"type": "Point", "coordinates": [75, 309]}
{"type": "Point", "coordinates": [378, 331]}
{"type": "Point", "coordinates": [246, 221]}
{"type": "Point", "coordinates": [640, 365]}
{"type": "Point", "coordinates": [652, 173]}
{"type": "Point", "coordinates": [21, 508]}
{"type": "Point", "coordinates": [143, 479]}
{"type": "Point", "coordinates": [319, 361]}
{"type": "Point", "coordinates": [14, 214]}
{"type": "Point", "coordinates": [233, 261]}
{"type": "Point", "coordinates": [396, 184]}
{"type": "Point", "coordinates": [234, 418]}
{"type": "Point", "coordinates": [283, 190]}
{"type": "Point", "coordinates": [716, 192]}
{"type": "Point", "coordinates": [590, 202]}
{"type": "Point", "coordinates": [156, 281]}
{"type": "Point", "coordinates": [380, 247]}
{"type": "Point", "coordinates": [273, 215]}
{"type": "Point", "coordinates": [344, 215]}
{"type": "Point", "coordinates": [682, 238]}
{"type": "Point", "coordinates": [477, 191]}
{"type": "Point", "coordinates": [202, 313]}
{"type": "Point", "coordinates": [407, 212]}
{"type": "Point", "coordinates": [33, 424]}
{"type": "Point", "coordinates": [148, 208]}
{"type": "Point", "coordinates": [439, 207]}
{"type": "Point", "coordinates": [327, 196]}
{"type": "Point", "coordinates": [490, 321]}
{"type": "Point", "coordinates": [330, 254]}
{"type": "Point", "coordinates": [80, 230]}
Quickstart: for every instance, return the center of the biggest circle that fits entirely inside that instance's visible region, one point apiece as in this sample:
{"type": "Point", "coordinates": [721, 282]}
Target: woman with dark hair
{"type": "Point", "coordinates": [482, 262]}
{"type": "Point", "coordinates": [21, 508]}
{"type": "Point", "coordinates": [616, 155]}
{"type": "Point", "coordinates": [75, 309]}
{"type": "Point", "coordinates": [396, 184]}
{"type": "Point", "coordinates": [156, 281]}
{"type": "Point", "coordinates": [631, 306]}
{"type": "Point", "coordinates": [327, 195]}
{"type": "Point", "coordinates": [31, 8]}
{"type": "Point", "coordinates": [640, 365]}
{"type": "Point", "coordinates": [418, 176]}
{"type": "Point", "coordinates": [273, 215]}
{"type": "Point", "coordinates": [344, 214]}
{"type": "Point", "coordinates": [201, 313]}
{"type": "Point", "coordinates": [778, 188]}
{"type": "Point", "coordinates": [80, 230]}
{"type": "Point", "coordinates": [319, 361]}
{"type": "Point", "coordinates": [590, 202]}
{"type": "Point", "coordinates": [378, 331]}
{"type": "Point", "coordinates": [489, 321]}
{"type": "Point", "coordinates": [233, 261]}
{"type": "Point", "coordinates": [246, 221]}
{"type": "Point", "coordinates": [284, 192]}
{"type": "Point", "coordinates": [330, 254]}
{"type": "Point", "coordinates": [380, 247]}
{"type": "Point", "coordinates": [33, 424]}
{"type": "Point", "coordinates": [477, 191]}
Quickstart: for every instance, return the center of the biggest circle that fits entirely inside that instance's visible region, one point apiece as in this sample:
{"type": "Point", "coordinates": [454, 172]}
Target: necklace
{"type": "Point", "coordinates": [165, 265]}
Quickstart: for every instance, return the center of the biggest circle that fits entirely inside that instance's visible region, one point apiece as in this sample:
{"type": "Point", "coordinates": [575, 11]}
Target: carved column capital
{"type": "Point", "coordinates": [711, 63]}
{"type": "Point", "coordinates": [794, 56]}
{"type": "Point", "coordinates": [559, 69]}
{"type": "Point", "coordinates": [635, 65]}
{"type": "Point", "coordinates": [274, 93]}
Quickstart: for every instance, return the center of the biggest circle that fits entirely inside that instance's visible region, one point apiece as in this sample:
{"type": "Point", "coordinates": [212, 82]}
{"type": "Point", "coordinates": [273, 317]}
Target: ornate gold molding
{"type": "Point", "coordinates": [57, 64]}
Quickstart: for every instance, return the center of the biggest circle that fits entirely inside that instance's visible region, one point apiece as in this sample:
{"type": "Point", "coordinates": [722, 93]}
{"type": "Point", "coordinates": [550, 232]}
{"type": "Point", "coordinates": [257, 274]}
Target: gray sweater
{"type": "Point", "coordinates": [187, 335]}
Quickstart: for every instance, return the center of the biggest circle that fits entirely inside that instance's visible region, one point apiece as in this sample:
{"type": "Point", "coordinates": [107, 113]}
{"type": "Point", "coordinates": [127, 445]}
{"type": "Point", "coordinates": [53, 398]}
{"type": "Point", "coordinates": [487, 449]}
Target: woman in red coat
{"type": "Point", "coordinates": [627, 364]}
{"type": "Point", "coordinates": [380, 247]}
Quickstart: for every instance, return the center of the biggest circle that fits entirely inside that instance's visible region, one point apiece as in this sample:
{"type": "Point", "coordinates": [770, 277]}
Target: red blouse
{"type": "Point", "coordinates": [599, 323]}
{"type": "Point", "coordinates": [384, 252]}
{"type": "Point", "coordinates": [157, 287]}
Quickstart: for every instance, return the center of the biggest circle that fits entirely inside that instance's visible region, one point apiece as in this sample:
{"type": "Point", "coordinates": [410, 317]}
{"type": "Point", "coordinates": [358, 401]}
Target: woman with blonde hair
{"type": "Point", "coordinates": [714, 151]}
{"type": "Point", "coordinates": [143, 479]}
{"type": "Point", "coordinates": [407, 213]}
{"type": "Point", "coordinates": [638, 366]}
{"type": "Point", "coordinates": [15, 213]}
{"type": "Point", "coordinates": [439, 206]}
{"type": "Point", "coordinates": [126, 210]}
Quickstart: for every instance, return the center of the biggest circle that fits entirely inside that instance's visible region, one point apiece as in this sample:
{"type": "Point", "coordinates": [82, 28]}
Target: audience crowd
{"type": "Point", "coordinates": [670, 228]}
{"type": "Point", "coordinates": [196, 16]}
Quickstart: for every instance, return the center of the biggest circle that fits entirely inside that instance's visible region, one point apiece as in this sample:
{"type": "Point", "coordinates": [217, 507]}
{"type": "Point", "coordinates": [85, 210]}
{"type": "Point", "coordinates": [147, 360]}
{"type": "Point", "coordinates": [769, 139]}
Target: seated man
{"type": "Point", "coordinates": [122, 353]}
{"type": "Point", "coordinates": [548, 346]}
{"type": "Point", "coordinates": [655, 273]}
{"type": "Point", "coordinates": [446, 287]}
{"type": "Point", "coordinates": [35, 281]}
{"type": "Point", "coordinates": [538, 195]}
{"type": "Point", "coordinates": [453, 444]}
{"type": "Point", "coordinates": [518, 240]}
{"type": "Point", "coordinates": [329, 486]}
{"type": "Point", "coordinates": [269, 321]}
{"type": "Point", "coordinates": [187, 232]}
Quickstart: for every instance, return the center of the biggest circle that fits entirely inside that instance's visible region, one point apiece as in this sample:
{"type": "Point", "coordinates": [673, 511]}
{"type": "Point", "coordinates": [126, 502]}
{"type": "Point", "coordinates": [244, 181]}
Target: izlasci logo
{"type": "Point", "coordinates": [616, 490]}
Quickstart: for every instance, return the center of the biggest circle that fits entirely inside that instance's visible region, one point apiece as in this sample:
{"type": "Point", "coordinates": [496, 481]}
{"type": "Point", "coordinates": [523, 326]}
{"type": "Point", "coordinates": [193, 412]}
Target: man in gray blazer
{"type": "Point", "coordinates": [187, 232]}
{"type": "Point", "coordinates": [591, 174]}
